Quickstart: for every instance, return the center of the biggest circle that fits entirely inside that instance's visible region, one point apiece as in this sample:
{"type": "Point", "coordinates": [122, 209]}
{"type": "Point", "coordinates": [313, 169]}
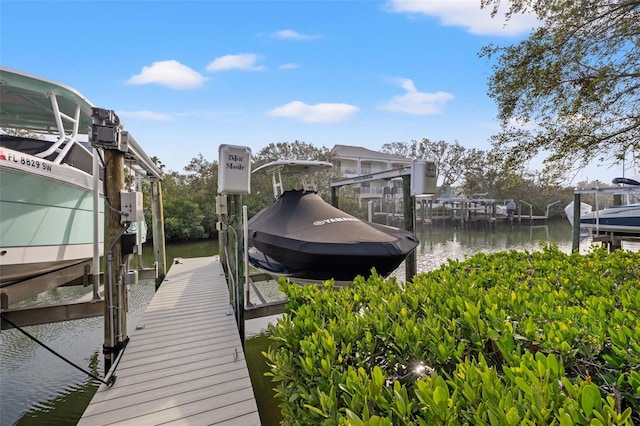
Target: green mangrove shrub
{"type": "Point", "coordinates": [508, 338]}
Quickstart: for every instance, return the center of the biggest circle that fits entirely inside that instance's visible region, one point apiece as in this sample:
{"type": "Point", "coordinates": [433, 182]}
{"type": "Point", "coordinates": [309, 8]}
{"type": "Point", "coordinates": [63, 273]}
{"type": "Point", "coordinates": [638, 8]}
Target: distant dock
{"type": "Point", "coordinates": [184, 363]}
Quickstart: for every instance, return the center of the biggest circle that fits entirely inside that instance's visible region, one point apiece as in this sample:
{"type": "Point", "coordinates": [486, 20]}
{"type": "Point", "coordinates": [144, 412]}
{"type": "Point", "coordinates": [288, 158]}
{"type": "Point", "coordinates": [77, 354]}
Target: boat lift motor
{"type": "Point", "coordinates": [106, 129]}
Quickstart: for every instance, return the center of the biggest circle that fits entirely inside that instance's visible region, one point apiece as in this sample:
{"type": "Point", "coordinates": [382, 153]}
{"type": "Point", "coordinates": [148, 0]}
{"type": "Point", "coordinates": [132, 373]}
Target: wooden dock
{"type": "Point", "coordinates": [184, 364]}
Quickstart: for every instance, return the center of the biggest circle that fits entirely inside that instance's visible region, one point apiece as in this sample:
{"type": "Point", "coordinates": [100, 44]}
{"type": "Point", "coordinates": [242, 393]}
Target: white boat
{"type": "Point", "coordinates": [584, 209]}
{"type": "Point", "coordinates": [615, 219]}
{"type": "Point", "coordinates": [46, 177]}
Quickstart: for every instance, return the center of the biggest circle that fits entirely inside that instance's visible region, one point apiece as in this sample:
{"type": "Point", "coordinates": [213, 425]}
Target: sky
{"type": "Point", "coordinates": [187, 76]}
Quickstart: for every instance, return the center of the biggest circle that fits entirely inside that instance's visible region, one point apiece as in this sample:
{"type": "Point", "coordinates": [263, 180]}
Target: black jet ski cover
{"type": "Point", "coordinates": [309, 238]}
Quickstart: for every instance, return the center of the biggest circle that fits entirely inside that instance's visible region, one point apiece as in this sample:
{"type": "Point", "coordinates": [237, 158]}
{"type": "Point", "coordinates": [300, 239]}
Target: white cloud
{"type": "Point", "coordinates": [169, 73]}
{"type": "Point", "coordinates": [318, 113]}
{"type": "Point", "coordinates": [146, 115]}
{"type": "Point", "coordinates": [294, 35]}
{"type": "Point", "coordinates": [288, 67]}
{"type": "Point", "coordinates": [418, 103]}
{"type": "Point", "coordinates": [467, 14]}
{"type": "Point", "coordinates": [242, 61]}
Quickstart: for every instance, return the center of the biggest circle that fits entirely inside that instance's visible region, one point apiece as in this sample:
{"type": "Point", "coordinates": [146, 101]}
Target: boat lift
{"type": "Point", "coordinates": [419, 179]}
{"type": "Point", "coordinates": [611, 239]}
{"type": "Point", "coordinates": [38, 105]}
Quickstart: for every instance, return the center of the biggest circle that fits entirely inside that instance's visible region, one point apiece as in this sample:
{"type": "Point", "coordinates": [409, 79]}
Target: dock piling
{"type": "Point", "coordinates": [115, 326]}
{"type": "Point", "coordinates": [158, 230]}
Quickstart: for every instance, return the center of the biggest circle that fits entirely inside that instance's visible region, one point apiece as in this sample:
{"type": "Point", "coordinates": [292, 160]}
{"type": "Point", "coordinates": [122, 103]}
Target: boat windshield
{"type": "Point", "coordinates": [77, 155]}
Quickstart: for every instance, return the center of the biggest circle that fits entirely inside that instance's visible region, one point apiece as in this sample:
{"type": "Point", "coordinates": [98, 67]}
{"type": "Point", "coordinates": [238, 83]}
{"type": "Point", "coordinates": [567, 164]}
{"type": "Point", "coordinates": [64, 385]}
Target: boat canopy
{"type": "Point", "coordinates": [45, 107]}
{"type": "Point", "coordinates": [626, 181]}
{"type": "Point", "coordinates": [30, 103]}
{"type": "Point", "coordinates": [304, 169]}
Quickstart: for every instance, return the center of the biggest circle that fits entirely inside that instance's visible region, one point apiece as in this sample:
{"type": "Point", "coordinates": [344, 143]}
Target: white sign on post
{"type": "Point", "coordinates": [234, 169]}
{"type": "Point", "coordinates": [423, 177]}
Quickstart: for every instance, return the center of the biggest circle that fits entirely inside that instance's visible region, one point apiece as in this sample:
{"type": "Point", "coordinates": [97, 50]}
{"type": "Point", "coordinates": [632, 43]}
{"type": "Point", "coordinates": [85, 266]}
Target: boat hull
{"type": "Point", "coordinates": [46, 216]}
{"type": "Point", "coordinates": [584, 210]}
{"type": "Point", "coordinates": [618, 220]}
{"type": "Point", "coordinates": [303, 236]}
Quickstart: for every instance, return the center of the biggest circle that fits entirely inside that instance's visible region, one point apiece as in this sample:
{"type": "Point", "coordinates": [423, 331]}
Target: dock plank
{"type": "Point", "coordinates": [184, 365]}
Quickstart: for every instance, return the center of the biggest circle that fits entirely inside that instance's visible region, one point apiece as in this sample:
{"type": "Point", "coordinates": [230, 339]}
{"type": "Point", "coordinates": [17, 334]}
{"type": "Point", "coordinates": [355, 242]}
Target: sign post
{"type": "Point", "coordinates": [234, 180]}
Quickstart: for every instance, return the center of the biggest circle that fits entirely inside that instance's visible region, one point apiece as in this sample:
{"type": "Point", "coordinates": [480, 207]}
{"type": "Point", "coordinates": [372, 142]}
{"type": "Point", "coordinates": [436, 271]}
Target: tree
{"type": "Point", "coordinates": [262, 191]}
{"type": "Point", "coordinates": [401, 149]}
{"type": "Point", "coordinates": [158, 163]}
{"type": "Point", "coordinates": [570, 91]}
{"type": "Point", "coordinates": [451, 159]}
{"type": "Point", "coordinates": [296, 150]}
{"type": "Point", "coordinates": [481, 175]}
{"type": "Point", "coordinates": [183, 220]}
{"type": "Point", "coordinates": [202, 182]}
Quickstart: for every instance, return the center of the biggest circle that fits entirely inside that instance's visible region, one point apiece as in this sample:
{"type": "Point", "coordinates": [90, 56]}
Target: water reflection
{"type": "Point", "coordinates": [439, 243]}
{"type": "Point", "coordinates": [34, 381]}
{"type": "Point", "coordinates": [39, 388]}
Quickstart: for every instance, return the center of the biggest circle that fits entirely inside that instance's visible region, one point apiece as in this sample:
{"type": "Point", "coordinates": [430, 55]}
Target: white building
{"type": "Point", "coordinates": [352, 161]}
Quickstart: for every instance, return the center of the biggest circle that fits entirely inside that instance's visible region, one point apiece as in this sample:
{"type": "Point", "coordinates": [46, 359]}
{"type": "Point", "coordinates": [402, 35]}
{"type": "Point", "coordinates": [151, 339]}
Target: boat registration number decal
{"type": "Point", "coordinates": [26, 161]}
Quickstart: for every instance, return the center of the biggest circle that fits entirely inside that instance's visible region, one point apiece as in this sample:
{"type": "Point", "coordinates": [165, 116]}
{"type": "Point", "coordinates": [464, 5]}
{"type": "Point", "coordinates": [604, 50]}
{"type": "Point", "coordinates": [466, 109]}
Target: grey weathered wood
{"type": "Point", "coordinates": [185, 365]}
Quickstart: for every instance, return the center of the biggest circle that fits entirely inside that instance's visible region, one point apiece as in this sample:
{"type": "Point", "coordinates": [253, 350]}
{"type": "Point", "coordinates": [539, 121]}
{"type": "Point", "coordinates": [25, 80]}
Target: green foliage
{"type": "Point", "coordinates": [183, 220]}
{"type": "Point", "coordinates": [508, 338]}
{"type": "Point", "coordinates": [198, 185]}
{"type": "Point", "coordinates": [451, 159]}
{"type": "Point", "coordinates": [570, 90]}
{"type": "Point", "coordinates": [261, 183]}
{"type": "Point", "coordinates": [477, 171]}
{"type": "Point", "coordinates": [296, 150]}
{"type": "Point", "coordinates": [189, 200]}
{"type": "Point", "coordinates": [351, 206]}
{"type": "Point", "coordinates": [202, 183]}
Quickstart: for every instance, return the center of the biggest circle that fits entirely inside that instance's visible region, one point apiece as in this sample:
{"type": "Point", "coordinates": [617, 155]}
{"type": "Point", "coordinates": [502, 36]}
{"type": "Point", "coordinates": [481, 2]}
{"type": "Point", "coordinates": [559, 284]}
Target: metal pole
{"type": "Point", "coordinates": [575, 243]}
{"type": "Point", "coordinates": [245, 258]}
{"type": "Point", "coordinates": [410, 225]}
{"type": "Point", "coordinates": [139, 236]}
{"type": "Point", "coordinates": [96, 226]}
{"type": "Point", "coordinates": [157, 217]}
{"type": "Point", "coordinates": [239, 264]}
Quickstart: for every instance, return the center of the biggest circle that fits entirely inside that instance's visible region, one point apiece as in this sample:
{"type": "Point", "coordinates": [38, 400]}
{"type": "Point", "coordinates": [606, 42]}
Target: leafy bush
{"type": "Point", "coordinates": [183, 221]}
{"type": "Point", "coordinates": [509, 338]}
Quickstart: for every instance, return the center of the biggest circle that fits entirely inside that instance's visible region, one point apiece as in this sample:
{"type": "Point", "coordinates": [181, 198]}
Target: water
{"type": "Point", "coordinates": [437, 244]}
{"type": "Point", "coordinates": [39, 388]}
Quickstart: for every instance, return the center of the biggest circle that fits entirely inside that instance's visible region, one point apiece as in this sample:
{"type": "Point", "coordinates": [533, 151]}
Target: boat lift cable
{"type": "Point", "coordinates": [107, 381]}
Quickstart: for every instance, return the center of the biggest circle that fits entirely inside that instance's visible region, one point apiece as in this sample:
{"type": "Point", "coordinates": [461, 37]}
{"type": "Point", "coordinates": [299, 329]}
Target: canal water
{"type": "Point", "coordinates": [37, 388]}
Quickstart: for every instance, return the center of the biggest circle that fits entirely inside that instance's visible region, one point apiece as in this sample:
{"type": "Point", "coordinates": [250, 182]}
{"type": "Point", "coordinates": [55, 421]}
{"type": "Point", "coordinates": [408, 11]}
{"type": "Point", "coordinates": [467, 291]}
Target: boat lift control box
{"type": "Point", "coordinates": [423, 177]}
{"type": "Point", "coordinates": [131, 206]}
{"type": "Point", "coordinates": [234, 169]}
